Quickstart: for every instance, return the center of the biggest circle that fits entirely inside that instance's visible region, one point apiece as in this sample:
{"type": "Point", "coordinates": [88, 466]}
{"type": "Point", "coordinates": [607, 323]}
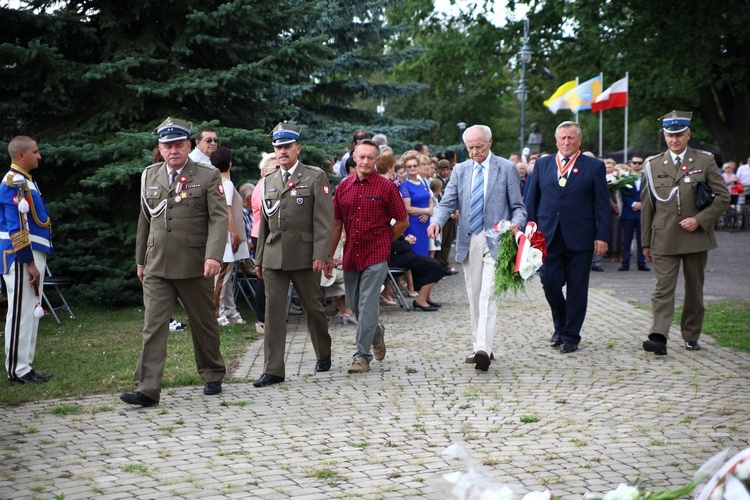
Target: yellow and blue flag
{"type": "Point", "coordinates": [580, 98]}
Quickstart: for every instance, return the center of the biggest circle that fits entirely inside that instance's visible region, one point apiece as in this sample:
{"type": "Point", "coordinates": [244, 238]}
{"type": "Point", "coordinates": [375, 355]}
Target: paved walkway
{"type": "Point", "coordinates": [537, 419]}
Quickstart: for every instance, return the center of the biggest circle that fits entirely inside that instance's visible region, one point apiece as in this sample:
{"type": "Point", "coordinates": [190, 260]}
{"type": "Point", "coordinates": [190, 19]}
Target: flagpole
{"type": "Point", "coordinates": [577, 83]}
{"type": "Point", "coordinates": [627, 82]}
{"type": "Point", "coordinates": [601, 119]}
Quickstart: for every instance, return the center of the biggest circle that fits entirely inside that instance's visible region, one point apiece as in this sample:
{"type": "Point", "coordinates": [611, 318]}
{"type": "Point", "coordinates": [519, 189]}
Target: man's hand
{"type": "Point", "coordinates": [690, 224]}
{"type": "Point", "coordinates": [235, 241]}
{"type": "Point", "coordinates": [410, 238]}
{"type": "Point", "coordinates": [259, 272]}
{"type": "Point", "coordinates": [318, 265]}
{"type": "Point", "coordinates": [600, 247]}
{"type": "Point", "coordinates": [433, 230]}
{"type": "Point", "coordinates": [513, 227]}
{"type": "Point", "coordinates": [211, 268]}
{"type": "Point", "coordinates": [636, 206]}
{"type": "Point", "coordinates": [33, 274]}
{"type": "Point", "coordinates": [647, 254]}
{"type": "Point", "coordinates": [139, 272]}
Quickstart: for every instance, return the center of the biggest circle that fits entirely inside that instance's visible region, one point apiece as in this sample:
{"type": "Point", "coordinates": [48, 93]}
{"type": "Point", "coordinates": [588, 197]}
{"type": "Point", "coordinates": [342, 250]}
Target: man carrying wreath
{"type": "Point", "coordinates": [485, 190]}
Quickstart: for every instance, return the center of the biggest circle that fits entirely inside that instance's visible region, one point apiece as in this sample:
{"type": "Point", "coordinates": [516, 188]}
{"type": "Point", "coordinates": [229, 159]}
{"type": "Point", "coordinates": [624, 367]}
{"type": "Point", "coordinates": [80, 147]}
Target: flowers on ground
{"type": "Point", "coordinates": [520, 255]}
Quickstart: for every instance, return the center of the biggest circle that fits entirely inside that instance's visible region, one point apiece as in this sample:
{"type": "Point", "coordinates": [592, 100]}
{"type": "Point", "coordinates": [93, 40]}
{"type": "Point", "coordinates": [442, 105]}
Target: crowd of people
{"type": "Point", "coordinates": [335, 232]}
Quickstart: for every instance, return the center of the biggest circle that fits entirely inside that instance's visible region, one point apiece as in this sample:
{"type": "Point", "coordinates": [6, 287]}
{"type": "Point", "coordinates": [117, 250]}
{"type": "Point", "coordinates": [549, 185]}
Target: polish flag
{"type": "Point", "coordinates": [614, 97]}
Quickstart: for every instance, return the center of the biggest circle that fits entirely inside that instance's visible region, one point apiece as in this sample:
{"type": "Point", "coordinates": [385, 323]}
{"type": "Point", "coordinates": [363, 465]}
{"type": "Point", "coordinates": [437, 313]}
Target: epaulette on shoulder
{"type": "Point", "coordinates": [9, 179]}
{"type": "Point", "coordinates": [707, 153]}
{"type": "Point", "coordinates": [155, 165]}
{"type": "Point", "coordinates": [271, 173]}
{"type": "Point", "coordinates": [653, 157]}
{"type": "Point", "coordinates": [317, 169]}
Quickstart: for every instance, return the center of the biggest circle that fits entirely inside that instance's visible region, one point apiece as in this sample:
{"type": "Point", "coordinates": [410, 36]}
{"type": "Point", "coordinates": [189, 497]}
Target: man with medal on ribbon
{"type": "Point", "coordinates": [675, 231]}
{"type": "Point", "coordinates": [25, 240]}
{"type": "Point", "coordinates": [568, 199]}
{"type": "Point", "coordinates": [296, 225]}
{"type": "Point", "coordinates": [182, 233]}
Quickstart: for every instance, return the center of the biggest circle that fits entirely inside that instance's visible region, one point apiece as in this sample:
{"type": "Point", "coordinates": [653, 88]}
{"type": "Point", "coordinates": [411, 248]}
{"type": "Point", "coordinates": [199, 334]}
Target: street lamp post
{"type": "Point", "coordinates": [521, 92]}
{"type": "Point", "coordinates": [381, 108]}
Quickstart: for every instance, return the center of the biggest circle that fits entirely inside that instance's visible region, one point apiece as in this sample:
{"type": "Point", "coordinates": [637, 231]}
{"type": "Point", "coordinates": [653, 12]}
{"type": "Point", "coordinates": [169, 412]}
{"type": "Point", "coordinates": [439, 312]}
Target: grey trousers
{"type": "Point", "coordinates": [362, 292]}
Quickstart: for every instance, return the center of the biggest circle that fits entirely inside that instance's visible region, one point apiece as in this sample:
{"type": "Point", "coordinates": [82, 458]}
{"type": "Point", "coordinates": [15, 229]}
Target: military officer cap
{"type": "Point", "coordinates": [285, 133]}
{"type": "Point", "coordinates": [675, 122]}
{"type": "Point", "coordinates": [173, 129]}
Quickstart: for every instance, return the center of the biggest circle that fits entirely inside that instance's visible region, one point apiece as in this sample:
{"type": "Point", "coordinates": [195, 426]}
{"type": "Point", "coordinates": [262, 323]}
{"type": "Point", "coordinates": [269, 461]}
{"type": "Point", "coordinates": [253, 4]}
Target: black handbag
{"type": "Point", "coordinates": [703, 195]}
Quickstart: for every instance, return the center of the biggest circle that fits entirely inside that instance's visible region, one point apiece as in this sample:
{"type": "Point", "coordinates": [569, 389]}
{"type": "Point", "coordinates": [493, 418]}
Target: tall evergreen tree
{"type": "Point", "coordinates": [89, 80]}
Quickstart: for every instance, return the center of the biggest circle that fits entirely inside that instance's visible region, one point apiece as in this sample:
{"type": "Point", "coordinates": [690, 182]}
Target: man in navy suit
{"type": "Point", "coordinates": [631, 218]}
{"type": "Point", "coordinates": [485, 190]}
{"type": "Point", "coordinates": [568, 199]}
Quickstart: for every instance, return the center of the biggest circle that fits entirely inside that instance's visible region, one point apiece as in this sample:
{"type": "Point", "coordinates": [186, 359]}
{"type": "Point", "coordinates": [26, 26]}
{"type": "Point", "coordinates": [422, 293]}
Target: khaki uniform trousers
{"type": "Point", "coordinates": [666, 268]}
{"type": "Point", "coordinates": [307, 284]}
{"type": "Point", "coordinates": [159, 298]}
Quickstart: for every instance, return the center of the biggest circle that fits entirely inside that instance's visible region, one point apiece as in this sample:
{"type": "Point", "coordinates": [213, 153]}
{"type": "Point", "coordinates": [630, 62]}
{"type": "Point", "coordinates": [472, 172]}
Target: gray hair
{"type": "Point", "coordinates": [484, 129]}
{"type": "Point", "coordinates": [568, 124]}
{"type": "Point", "coordinates": [380, 139]}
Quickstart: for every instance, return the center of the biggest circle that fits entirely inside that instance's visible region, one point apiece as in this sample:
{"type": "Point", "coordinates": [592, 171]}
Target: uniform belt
{"type": "Point", "coordinates": [4, 235]}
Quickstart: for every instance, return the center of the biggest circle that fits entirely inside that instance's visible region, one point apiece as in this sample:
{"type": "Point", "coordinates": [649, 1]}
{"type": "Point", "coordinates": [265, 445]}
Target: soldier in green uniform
{"type": "Point", "coordinates": [182, 233]}
{"type": "Point", "coordinates": [676, 232]}
{"type": "Point", "coordinates": [296, 226]}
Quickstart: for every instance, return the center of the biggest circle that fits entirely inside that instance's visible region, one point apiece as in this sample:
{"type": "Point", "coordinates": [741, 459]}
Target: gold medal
{"type": "Point", "coordinates": [562, 181]}
{"type": "Point", "coordinates": [183, 195]}
{"type": "Point", "coordinates": [687, 180]}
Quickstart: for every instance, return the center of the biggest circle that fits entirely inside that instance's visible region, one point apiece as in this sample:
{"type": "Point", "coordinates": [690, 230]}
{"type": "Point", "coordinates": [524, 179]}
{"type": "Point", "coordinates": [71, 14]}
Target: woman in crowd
{"type": "Point", "coordinates": [417, 200]}
{"type": "Point", "coordinates": [425, 272]}
{"type": "Point", "coordinates": [267, 165]}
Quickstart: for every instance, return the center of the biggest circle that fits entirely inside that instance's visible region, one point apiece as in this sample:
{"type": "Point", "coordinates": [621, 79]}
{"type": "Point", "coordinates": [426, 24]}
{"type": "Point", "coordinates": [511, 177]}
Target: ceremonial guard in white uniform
{"type": "Point", "coordinates": [25, 241]}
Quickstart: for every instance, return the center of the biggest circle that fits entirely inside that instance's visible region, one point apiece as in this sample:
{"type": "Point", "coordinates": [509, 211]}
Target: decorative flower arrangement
{"type": "Point", "coordinates": [616, 181]}
{"type": "Point", "coordinates": [730, 480]}
{"type": "Point", "coordinates": [520, 255]}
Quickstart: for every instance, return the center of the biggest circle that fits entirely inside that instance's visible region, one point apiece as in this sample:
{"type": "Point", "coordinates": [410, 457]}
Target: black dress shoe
{"type": "Point", "coordinates": [470, 358]}
{"type": "Point", "coordinates": [267, 379]}
{"type": "Point", "coordinates": [656, 346]}
{"type": "Point", "coordinates": [555, 340]}
{"type": "Point", "coordinates": [434, 304]}
{"type": "Point", "coordinates": [31, 378]}
{"type": "Point", "coordinates": [212, 388]}
{"type": "Point", "coordinates": [416, 306]}
{"type": "Point", "coordinates": [137, 398]}
{"type": "Point", "coordinates": [450, 272]}
{"type": "Point", "coordinates": [323, 365]}
{"type": "Point", "coordinates": [598, 269]}
{"type": "Point", "coordinates": [644, 268]}
{"type": "Point", "coordinates": [624, 268]}
{"type": "Point", "coordinates": [482, 361]}
{"type": "Point", "coordinates": [45, 376]}
{"type": "Point", "coordinates": [692, 345]}
{"type": "Point", "coordinates": [568, 347]}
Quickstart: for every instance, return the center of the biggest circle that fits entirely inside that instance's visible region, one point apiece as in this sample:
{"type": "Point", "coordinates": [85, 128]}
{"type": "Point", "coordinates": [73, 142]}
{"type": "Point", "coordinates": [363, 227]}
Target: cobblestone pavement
{"type": "Point", "coordinates": [538, 419]}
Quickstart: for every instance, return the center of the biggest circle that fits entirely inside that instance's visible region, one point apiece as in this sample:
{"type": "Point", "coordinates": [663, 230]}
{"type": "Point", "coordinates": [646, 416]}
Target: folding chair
{"type": "Point", "coordinates": [244, 284]}
{"type": "Point", "coordinates": [54, 283]}
{"type": "Point", "coordinates": [393, 284]}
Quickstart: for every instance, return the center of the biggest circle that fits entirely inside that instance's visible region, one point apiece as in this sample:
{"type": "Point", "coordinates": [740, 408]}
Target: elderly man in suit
{"type": "Point", "coordinates": [485, 190]}
{"type": "Point", "coordinates": [296, 225]}
{"type": "Point", "coordinates": [182, 232]}
{"type": "Point", "coordinates": [568, 199]}
{"type": "Point", "coordinates": [676, 231]}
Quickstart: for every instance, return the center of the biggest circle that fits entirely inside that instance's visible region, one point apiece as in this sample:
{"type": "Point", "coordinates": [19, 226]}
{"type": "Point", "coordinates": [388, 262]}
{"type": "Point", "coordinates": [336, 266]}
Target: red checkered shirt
{"type": "Point", "coordinates": [366, 208]}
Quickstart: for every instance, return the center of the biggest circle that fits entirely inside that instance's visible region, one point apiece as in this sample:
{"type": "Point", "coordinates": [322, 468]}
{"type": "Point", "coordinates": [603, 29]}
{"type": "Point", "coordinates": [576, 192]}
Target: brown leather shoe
{"type": "Point", "coordinates": [378, 350]}
{"type": "Point", "coordinates": [359, 365]}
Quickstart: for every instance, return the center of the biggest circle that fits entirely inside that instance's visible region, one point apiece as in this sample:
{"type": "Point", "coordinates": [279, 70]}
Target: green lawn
{"type": "Point", "coordinates": [727, 322]}
{"type": "Point", "coordinates": [97, 353]}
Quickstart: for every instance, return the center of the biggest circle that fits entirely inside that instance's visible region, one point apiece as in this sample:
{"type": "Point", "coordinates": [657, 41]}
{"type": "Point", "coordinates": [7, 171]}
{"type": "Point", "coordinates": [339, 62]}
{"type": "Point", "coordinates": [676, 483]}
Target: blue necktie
{"type": "Point", "coordinates": [476, 221]}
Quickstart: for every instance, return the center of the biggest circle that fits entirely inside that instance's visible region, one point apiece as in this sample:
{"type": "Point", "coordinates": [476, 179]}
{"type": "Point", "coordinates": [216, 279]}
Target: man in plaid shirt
{"type": "Point", "coordinates": [364, 206]}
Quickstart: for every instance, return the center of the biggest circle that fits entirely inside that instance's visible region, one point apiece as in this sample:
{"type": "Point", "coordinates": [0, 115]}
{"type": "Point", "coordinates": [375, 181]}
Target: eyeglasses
{"type": "Point", "coordinates": [211, 140]}
{"type": "Point", "coordinates": [636, 162]}
{"type": "Point", "coordinates": [412, 166]}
